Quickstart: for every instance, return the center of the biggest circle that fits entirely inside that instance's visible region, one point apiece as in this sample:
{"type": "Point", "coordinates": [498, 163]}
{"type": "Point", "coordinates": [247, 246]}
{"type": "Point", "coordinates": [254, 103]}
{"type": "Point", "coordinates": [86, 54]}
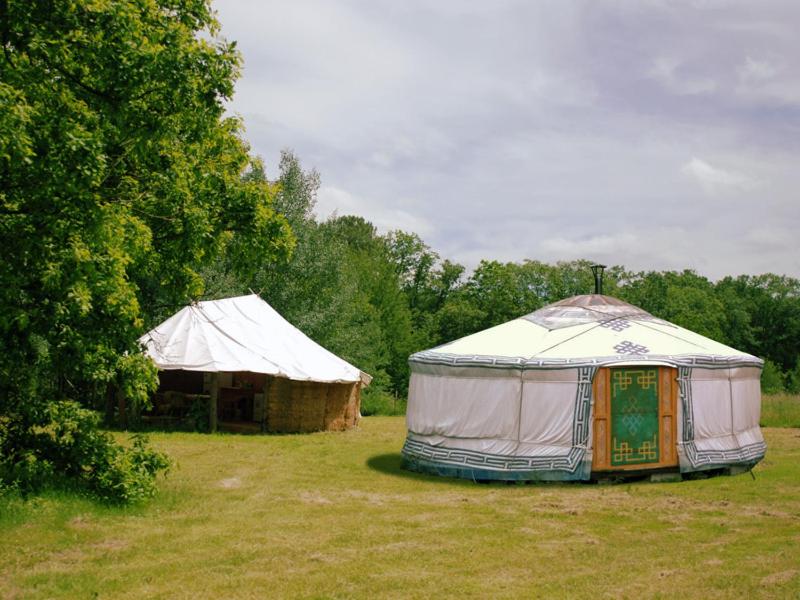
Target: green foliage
{"type": "Point", "coordinates": [376, 401]}
{"type": "Point", "coordinates": [771, 378]}
{"type": "Point", "coordinates": [344, 284]}
{"type": "Point", "coordinates": [793, 379]}
{"type": "Point", "coordinates": [772, 303]}
{"type": "Point", "coordinates": [67, 449]}
{"type": "Point", "coordinates": [198, 414]}
{"type": "Point", "coordinates": [120, 177]}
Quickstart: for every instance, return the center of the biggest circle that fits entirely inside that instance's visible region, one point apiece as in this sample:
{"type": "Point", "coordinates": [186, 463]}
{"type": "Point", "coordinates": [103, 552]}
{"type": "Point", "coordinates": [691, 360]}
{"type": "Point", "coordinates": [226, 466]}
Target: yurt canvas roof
{"type": "Point", "coordinates": [243, 334]}
{"type": "Point", "coordinates": [590, 329]}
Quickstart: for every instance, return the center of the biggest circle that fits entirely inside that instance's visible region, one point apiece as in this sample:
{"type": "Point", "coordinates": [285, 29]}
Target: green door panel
{"type": "Point", "coordinates": [634, 416]}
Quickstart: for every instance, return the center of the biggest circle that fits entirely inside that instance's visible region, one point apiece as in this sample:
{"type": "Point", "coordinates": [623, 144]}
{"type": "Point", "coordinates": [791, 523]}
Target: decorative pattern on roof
{"type": "Point", "coordinates": [590, 308]}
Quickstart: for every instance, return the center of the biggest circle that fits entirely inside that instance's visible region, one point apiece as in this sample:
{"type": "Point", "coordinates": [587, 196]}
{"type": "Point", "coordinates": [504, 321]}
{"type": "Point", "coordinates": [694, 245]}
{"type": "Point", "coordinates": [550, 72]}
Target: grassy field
{"type": "Point", "coordinates": [780, 410]}
{"type": "Point", "coordinates": [331, 515]}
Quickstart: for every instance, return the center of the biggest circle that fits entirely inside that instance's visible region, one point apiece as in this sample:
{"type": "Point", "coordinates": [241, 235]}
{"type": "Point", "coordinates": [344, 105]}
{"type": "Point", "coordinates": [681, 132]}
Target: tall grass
{"type": "Point", "coordinates": [780, 410]}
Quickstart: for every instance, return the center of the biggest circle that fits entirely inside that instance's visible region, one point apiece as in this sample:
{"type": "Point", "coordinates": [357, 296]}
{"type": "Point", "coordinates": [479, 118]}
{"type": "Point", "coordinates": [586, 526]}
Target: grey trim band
{"type": "Point", "coordinates": [432, 362]}
{"type": "Point", "coordinates": [708, 459]}
{"type": "Point", "coordinates": [419, 465]}
{"type": "Point", "coordinates": [569, 462]}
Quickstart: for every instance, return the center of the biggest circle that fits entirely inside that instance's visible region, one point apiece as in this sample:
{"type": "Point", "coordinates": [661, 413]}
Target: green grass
{"type": "Point", "coordinates": [780, 410]}
{"type": "Point", "coordinates": [331, 515]}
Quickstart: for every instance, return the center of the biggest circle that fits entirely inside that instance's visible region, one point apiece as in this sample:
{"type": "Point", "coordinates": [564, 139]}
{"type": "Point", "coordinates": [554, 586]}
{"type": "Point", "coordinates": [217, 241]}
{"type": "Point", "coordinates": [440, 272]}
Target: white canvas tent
{"type": "Point", "coordinates": [243, 334]}
{"type": "Point", "coordinates": [587, 384]}
{"type": "Point", "coordinates": [265, 372]}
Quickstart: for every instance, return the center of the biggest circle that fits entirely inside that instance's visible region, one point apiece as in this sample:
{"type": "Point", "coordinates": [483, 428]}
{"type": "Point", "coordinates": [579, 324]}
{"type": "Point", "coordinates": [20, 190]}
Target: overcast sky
{"type": "Point", "coordinates": [657, 135]}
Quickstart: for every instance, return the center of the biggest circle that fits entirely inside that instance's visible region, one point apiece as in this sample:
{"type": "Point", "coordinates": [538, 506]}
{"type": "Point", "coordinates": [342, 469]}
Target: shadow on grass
{"type": "Point", "coordinates": [391, 464]}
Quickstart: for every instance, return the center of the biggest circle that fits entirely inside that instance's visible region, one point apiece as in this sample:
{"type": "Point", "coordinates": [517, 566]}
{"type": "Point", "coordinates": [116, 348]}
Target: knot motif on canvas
{"type": "Point", "coordinates": [616, 324]}
{"type": "Point", "coordinates": [628, 347]}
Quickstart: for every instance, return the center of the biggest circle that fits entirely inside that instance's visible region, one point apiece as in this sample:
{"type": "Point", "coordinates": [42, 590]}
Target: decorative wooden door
{"type": "Point", "coordinates": [634, 418]}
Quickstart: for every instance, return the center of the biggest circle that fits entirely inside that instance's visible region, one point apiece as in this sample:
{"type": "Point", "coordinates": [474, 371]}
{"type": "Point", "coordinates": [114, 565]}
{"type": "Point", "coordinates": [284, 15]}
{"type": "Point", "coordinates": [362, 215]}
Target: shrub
{"type": "Point", "coordinates": [381, 402]}
{"type": "Point", "coordinates": [771, 378]}
{"type": "Point", "coordinates": [793, 380]}
{"type": "Point", "coordinates": [65, 448]}
{"type": "Point", "coordinates": [198, 415]}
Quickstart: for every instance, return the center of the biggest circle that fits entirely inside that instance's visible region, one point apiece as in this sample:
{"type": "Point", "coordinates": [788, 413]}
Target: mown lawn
{"type": "Point", "coordinates": [331, 515]}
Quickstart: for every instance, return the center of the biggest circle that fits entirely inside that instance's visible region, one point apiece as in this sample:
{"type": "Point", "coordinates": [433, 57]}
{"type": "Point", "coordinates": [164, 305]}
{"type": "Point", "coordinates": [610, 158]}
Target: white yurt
{"type": "Point", "coordinates": [587, 386]}
{"type": "Point", "coordinates": [257, 371]}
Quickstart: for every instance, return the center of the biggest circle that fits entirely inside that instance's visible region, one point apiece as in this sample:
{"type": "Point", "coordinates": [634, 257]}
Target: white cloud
{"type": "Point", "coordinates": [668, 247]}
{"type": "Point", "coordinates": [714, 180]}
{"type": "Point", "coordinates": [772, 237]}
{"type": "Point", "coordinates": [601, 246]}
{"type": "Point", "coordinates": [667, 72]}
{"type": "Point", "coordinates": [753, 70]}
{"type": "Point", "coordinates": [332, 201]}
{"type": "Point", "coordinates": [768, 80]}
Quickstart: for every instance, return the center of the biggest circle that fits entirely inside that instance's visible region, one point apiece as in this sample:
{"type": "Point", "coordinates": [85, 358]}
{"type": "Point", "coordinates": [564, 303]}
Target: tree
{"type": "Point", "coordinates": [120, 177]}
{"type": "Point", "coordinates": [378, 281]}
{"type": "Point", "coordinates": [771, 378]}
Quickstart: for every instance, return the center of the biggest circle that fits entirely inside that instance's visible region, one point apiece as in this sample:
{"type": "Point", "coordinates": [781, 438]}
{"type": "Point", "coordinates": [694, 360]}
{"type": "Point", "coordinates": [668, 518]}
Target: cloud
{"type": "Point", "coordinates": [335, 201]}
{"type": "Point", "coordinates": [669, 247]}
{"type": "Point", "coordinates": [668, 72]}
{"type": "Point", "coordinates": [512, 130]}
{"type": "Point", "coordinates": [714, 180]}
{"type": "Point", "coordinates": [601, 245]}
{"type": "Point", "coordinates": [753, 70]}
{"type": "Point", "coordinates": [768, 80]}
{"type": "Point", "coordinates": [771, 237]}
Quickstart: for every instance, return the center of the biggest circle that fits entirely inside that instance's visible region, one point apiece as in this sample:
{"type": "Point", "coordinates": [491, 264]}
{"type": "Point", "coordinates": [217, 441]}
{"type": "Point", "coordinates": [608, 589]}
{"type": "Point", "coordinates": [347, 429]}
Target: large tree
{"type": "Point", "coordinates": [119, 177]}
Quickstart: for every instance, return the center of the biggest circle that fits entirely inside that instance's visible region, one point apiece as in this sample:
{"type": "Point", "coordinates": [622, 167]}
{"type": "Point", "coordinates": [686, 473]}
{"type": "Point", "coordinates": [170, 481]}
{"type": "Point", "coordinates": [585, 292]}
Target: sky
{"type": "Point", "coordinates": [654, 135]}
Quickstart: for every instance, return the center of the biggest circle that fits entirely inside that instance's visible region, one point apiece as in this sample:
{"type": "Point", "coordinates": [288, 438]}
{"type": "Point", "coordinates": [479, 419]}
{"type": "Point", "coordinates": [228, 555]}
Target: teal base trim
{"type": "Point", "coordinates": [744, 465]}
{"type": "Point", "coordinates": [416, 465]}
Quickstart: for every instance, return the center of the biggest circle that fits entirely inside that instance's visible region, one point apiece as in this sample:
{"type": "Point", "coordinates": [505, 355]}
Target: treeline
{"type": "Point", "coordinates": [374, 299]}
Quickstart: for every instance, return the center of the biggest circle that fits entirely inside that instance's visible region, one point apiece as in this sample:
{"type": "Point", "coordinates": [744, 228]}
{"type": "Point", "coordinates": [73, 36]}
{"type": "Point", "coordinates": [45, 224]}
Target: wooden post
{"type": "Point", "coordinates": [212, 403]}
{"type": "Point", "coordinates": [264, 405]}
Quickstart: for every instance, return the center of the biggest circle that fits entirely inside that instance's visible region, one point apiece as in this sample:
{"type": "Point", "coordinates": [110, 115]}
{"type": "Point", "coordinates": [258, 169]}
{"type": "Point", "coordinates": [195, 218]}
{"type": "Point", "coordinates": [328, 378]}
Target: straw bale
{"type": "Point", "coordinates": [304, 406]}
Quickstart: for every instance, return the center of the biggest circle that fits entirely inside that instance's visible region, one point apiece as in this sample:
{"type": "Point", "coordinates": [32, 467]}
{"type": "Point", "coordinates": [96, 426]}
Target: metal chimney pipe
{"type": "Point", "coordinates": [597, 271]}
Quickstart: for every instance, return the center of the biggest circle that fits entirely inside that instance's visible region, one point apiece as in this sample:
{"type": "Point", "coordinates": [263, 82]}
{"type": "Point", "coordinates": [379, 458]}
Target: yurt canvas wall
{"type": "Point", "coordinates": [590, 384]}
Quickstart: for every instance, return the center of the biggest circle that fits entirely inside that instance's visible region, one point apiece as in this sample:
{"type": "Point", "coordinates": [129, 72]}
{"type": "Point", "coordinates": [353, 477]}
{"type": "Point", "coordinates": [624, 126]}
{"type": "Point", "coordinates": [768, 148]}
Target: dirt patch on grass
{"type": "Point", "coordinates": [230, 484]}
{"type": "Point", "coordinates": [314, 498]}
{"type": "Point", "coordinates": [111, 545]}
{"type": "Point", "coordinates": [321, 558]}
{"type": "Point", "coordinates": [779, 578]}
{"type": "Point", "coordinates": [63, 561]}
{"type": "Point", "coordinates": [80, 522]}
